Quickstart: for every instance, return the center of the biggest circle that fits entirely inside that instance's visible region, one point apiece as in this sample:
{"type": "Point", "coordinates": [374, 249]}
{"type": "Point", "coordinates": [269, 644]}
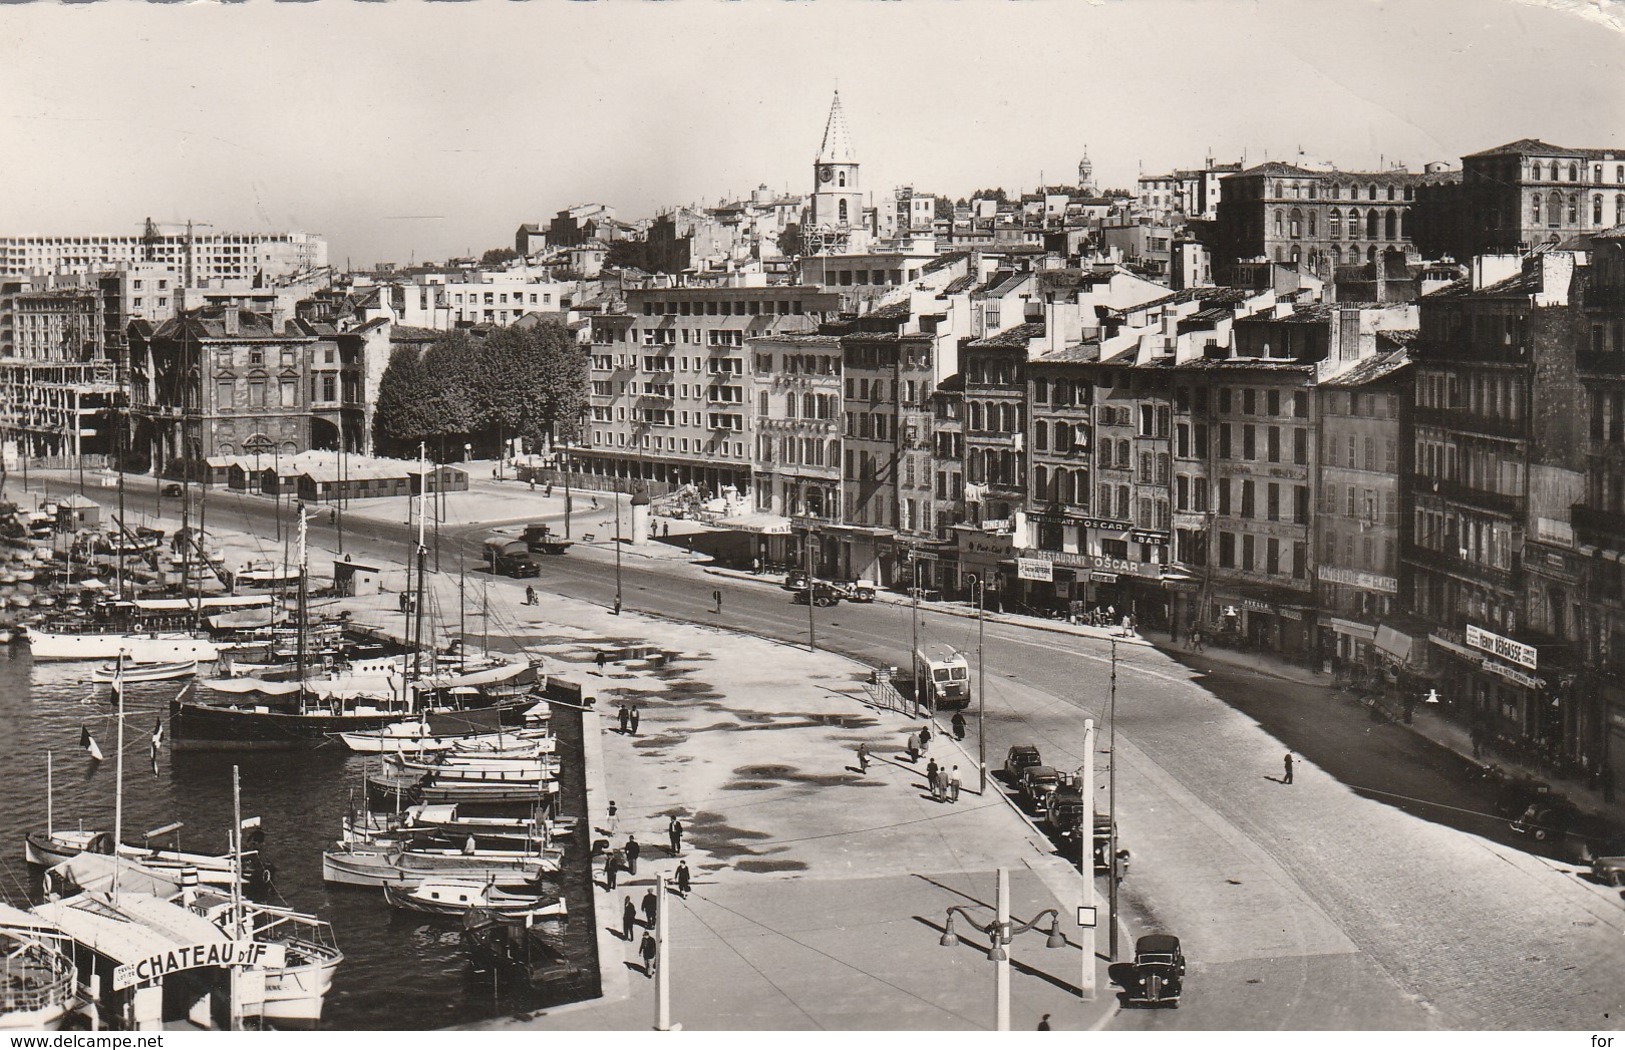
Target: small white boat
{"type": "Point", "coordinates": [417, 736]}
{"type": "Point", "coordinates": [36, 973]}
{"type": "Point", "coordinates": [161, 672]}
{"type": "Point", "coordinates": [454, 897]}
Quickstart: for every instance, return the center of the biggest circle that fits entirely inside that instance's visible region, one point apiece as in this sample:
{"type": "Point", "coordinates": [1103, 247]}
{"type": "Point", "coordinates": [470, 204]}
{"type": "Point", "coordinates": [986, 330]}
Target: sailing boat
{"type": "Point", "coordinates": [308, 711]}
{"type": "Point", "coordinates": [54, 846]}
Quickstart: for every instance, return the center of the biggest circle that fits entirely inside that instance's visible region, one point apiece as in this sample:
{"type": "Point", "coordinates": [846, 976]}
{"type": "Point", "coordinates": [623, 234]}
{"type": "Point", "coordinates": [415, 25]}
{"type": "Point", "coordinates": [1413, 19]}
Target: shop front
{"type": "Point", "coordinates": [1270, 619]}
{"type": "Point", "coordinates": [990, 557]}
{"type": "Point", "coordinates": [1082, 583]}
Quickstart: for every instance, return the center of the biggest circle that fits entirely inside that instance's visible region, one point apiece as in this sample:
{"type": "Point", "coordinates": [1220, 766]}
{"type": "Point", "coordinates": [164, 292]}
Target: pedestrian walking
{"type": "Point", "coordinates": [953, 785]}
{"type": "Point", "coordinates": [612, 866]}
{"type": "Point", "coordinates": [633, 849]}
{"type": "Point", "coordinates": [626, 718]}
{"type": "Point", "coordinates": [629, 918]}
{"type": "Point", "coordinates": [1288, 762]}
{"type": "Point", "coordinates": [755, 566]}
{"type": "Point", "coordinates": [674, 831]}
{"type": "Point", "coordinates": [863, 758]}
{"type": "Point", "coordinates": [925, 736]}
{"type": "Point", "coordinates": [665, 530]}
{"type": "Point", "coordinates": [601, 659]}
{"type": "Point", "coordinates": [650, 905]}
{"type": "Point", "coordinates": [913, 748]}
{"type": "Point", "coordinates": [636, 718]}
{"type": "Point", "coordinates": [648, 951]}
{"type": "Point", "coordinates": [931, 774]}
{"type": "Point", "coordinates": [682, 878]}
{"type": "Point", "coordinates": [614, 818]}
{"type": "Point", "coordinates": [959, 725]}
{"type": "Point", "coordinates": [1043, 1024]}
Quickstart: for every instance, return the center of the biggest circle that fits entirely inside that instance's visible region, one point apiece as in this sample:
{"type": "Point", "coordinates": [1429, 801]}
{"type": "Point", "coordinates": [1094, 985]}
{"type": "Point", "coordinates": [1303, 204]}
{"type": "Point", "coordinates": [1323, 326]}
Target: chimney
{"type": "Point", "coordinates": [233, 319]}
{"type": "Point", "coordinates": [1382, 275]}
{"type": "Point", "coordinates": [279, 319]}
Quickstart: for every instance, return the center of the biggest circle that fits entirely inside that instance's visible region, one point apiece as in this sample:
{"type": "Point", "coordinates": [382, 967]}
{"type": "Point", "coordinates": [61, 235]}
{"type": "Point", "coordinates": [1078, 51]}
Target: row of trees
{"type": "Point", "coordinates": [527, 381]}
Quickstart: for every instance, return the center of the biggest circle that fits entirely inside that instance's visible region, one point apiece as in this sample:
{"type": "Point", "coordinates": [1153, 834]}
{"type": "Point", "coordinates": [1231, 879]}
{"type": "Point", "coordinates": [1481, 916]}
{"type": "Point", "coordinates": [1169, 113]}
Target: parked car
{"type": "Point", "coordinates": [1607, 861]}
{"type": "Point", "coordinates": [795, 580]}
{"type": "Point", "coordinates": [820, 593]}
{"type": "Point", "coordinates": [1550, 817]}
{"type": "Point", "coordinates": [1018, 758]}
{"type": "Point", "coordinates": [859, 591]}
{"type": "Point", "coordinates": [1038, 786]}
{"type": "Point", "coordinates": [173, 488]}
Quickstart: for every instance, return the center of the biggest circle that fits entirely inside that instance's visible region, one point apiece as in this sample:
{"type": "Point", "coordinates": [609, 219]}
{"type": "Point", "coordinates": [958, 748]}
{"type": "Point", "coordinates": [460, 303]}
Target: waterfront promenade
{"type": "Point", "coordinates": [819, 892]}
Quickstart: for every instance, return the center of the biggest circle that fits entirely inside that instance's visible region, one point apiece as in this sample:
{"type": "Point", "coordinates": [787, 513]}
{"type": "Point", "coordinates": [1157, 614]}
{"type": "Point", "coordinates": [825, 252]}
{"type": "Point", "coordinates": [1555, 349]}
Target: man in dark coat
{"type": "Point", "coordinates": [648, 952]}
{"type": "Point", "coordinates": [629, 919]}
{"type": "Point", "coordinates": [612, 865]}
{"type": "Point", "coordinates": [626, 718]}
{"type": "Point", "coordinates": [632, 851]}
{"type": "Point", "coordinates": [674, 831]}
{"type": "Point", "coordinates": [682, 877]}
{"type": "Point", "coordinates": [650, 904]}
{"type": "Point", "coordinates": [636, 718]}
{"type": "Point", "coordinates": [959, 725]}
{"type": "Point", "coordinates": [1288, 762]}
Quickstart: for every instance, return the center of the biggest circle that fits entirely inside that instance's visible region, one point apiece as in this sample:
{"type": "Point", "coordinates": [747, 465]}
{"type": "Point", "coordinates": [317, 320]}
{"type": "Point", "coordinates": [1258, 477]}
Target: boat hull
{"type": "Point", "coordinates": [146, 672]}
{"type": "Point", "coordinates": [294, 995]}
{"type": "Point", "coordinates": [377, 870]}
{"type": "Point", "coordinates": [137, 648]}
{"type": "Point", "coordinates": [47, 851]}
{"type": "Point", "coordinates": [210, 727]}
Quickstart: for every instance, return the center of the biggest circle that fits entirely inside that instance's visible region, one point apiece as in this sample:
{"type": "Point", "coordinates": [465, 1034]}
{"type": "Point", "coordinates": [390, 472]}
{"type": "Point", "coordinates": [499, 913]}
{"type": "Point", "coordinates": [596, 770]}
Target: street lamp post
{"type": "Point", "coordinates": [979, 586]}
{"type": "Point", "coordinates": [812, 594]}
{"type": "Point", "coordinates": [1113, 874]}
{"type": "Point", "coordinates": [617, 497]}
{"type": "Point", "coordinates": [1000, 932]}
{"type": "Point", "coordinates": [913, 656]}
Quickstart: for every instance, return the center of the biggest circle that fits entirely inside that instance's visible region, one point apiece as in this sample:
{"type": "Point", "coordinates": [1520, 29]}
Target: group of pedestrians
{"type": "Point", "coordinates": [629, 719]}
{"type": "Point", "coordinates": [944, 783]}
{"type": "Point", "coordinates": [625, 858]}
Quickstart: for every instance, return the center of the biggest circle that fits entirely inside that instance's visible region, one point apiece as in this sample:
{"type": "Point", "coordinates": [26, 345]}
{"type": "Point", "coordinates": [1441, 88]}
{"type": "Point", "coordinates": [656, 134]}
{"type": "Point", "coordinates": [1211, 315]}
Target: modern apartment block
{"type": "Point", "coordinates": [671, 372]}
{"type": "Point", "coordinates": [195, 254]}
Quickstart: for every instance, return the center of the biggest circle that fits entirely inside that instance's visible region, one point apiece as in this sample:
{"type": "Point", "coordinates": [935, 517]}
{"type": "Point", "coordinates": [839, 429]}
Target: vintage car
{"type": "Point", "coordinates": [1018, 758]}
{"type": "Point", "coordinates": [1038, 786]}
{"type": "Point", "coordinates": [1158, 974]}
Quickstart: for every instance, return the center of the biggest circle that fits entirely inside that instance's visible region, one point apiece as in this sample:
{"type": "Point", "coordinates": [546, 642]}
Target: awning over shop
{"type": "Point", "coordinates": [1353, 630]}
{"type": "Point", "coordinates": [761, 523]}
{"type": "Point", "coordinates": [1395, 643]}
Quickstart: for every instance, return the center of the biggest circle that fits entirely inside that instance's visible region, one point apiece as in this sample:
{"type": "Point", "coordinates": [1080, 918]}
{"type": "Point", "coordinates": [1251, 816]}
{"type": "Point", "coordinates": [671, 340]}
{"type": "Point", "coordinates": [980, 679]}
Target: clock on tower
{"type": "Point", "coordinates": [825, 173]}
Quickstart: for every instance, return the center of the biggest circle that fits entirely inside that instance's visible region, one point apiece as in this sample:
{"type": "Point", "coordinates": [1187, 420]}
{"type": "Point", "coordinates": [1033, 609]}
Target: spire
{"type": "Point", "coordinates": [837, 147]}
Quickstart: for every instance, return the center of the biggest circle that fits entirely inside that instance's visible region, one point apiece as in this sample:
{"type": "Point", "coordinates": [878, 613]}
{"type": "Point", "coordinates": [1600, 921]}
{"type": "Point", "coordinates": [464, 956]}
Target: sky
{"type": "Point", "coordinates": [408, 130]}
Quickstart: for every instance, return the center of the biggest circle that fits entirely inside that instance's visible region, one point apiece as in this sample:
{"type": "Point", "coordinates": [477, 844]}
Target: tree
{"type": "Point", "coordinates": [628, 254]}
{"type": "Point", "coordinates": [789, 240]}
{"type": "Point", "coordinates": [397, 422]}
{"type": "Point", "coordinates": [944, 208]}
{"type": "Point", "coordinates": [996, 194]}
{"type": "Point", "coordinates": [498, 256]}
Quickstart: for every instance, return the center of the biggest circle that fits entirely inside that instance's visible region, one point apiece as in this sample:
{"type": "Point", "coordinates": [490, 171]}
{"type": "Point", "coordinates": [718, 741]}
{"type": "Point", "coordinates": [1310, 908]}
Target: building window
{"type": "Point", "coordinates": [1574, 172]}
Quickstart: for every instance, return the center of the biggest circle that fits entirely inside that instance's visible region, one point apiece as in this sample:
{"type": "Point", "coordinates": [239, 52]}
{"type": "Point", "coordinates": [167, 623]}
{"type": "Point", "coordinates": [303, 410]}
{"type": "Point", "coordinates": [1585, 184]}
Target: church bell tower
{"type": "Point", "coordinates": [836, 211]}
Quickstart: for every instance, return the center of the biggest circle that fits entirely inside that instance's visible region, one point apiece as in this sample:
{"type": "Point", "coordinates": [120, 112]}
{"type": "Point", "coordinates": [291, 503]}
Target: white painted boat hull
{"type": "Point", "coordinates": [137, 648]}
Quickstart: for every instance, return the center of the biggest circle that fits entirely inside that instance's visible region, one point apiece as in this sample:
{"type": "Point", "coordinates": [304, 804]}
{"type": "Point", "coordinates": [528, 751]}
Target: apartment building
{"type": "Point", "coordinates": [194, 254]}
{"type": "Point", "coordinates": [1496, 437]}
{"type": "Point", "coordinates": [670, 374]}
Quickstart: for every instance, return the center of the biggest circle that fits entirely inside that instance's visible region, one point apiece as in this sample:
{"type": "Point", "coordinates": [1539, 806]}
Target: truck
{"type": "Point", "coordinates": [507, 556]}
{"type": "Point", "coordinates": [540, 538]}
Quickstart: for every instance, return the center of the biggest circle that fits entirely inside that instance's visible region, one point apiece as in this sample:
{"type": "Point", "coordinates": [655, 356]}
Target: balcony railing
{"type": "Point", "coordinates": [1459, 419]}
{"type": "Point", "coordinates": [1609, 524]}
{"type": "Point", "coordinates": [1452, 563]}
{"type": "Point", "coordinates": [1493, 502]}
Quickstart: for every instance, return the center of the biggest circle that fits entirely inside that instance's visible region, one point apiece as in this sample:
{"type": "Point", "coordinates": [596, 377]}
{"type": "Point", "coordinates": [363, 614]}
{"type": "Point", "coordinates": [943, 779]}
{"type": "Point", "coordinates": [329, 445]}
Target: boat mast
{"type": "Point", "coordinates": [303, 602]}
{"type": "Point", "coordinates": [423, 495]}
{"type": "Point", "coordinates": [50, 797]}
{"type": "Point", "coordinates": [118, 766]}
{"type": "Point", "coordinates": [237, 879]}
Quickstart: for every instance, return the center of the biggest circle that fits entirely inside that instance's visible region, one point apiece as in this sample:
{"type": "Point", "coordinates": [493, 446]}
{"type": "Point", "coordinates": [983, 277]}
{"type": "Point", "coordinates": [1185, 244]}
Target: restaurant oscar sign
{"type": "Point", "coordinates": [238, 954]}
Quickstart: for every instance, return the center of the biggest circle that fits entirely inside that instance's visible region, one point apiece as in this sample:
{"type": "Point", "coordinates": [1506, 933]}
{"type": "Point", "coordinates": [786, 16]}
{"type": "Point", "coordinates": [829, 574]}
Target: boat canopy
{"type": "Point", "coordinates": [16, 919]}
{"type": "Point", "coordinates": [217, 601]}
{"type": "Point", "coordinates": [348, 687]}
{"type": "Point", "coordinates": [134, 928]}
{"type": "Point", "coordinates": [95, 872]}
{"type": "Point", "coordinates": [500, 673]}
{"type": "Point", "coordinates": [258, 616]}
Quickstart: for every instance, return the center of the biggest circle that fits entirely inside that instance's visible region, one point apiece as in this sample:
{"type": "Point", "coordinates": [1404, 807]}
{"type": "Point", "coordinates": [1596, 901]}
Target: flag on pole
{"type": "Point", "coordinates": [157, 733]}
{"type": "Point", "coordinates": [88, 742]}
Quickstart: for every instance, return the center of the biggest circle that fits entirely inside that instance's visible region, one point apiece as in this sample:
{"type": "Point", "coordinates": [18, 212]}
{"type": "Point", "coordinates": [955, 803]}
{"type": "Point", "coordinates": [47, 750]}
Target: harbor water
{"type": "Point", "coordinates": [402, 970]}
